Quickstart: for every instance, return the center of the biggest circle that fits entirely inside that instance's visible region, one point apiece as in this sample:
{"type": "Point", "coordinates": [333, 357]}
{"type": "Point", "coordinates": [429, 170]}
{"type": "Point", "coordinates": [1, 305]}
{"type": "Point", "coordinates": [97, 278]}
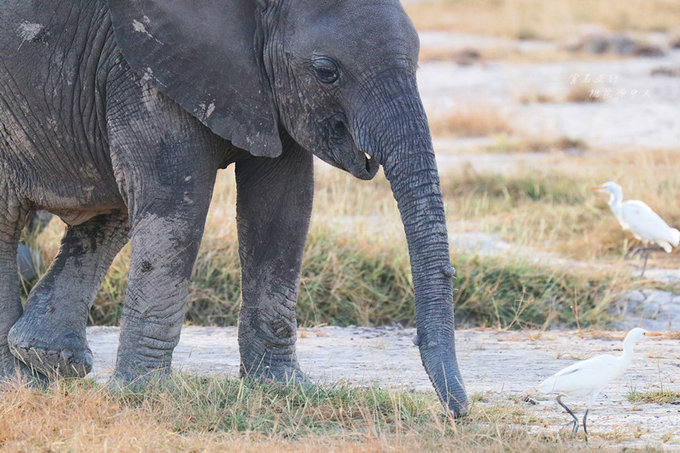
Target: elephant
{"type": "Point", "coordinates": [116, 115]}
{"type": "Point", "coordinates": [28, 260]}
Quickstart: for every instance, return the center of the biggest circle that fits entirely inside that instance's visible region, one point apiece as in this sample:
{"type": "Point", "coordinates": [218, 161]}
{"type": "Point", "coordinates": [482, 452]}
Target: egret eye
{"type": "Point", "coordinates": [326, 70]}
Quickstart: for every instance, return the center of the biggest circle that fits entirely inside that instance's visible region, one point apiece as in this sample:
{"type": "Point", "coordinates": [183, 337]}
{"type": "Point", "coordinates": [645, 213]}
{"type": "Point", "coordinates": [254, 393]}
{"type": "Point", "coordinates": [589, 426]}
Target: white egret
{"type": "Point", "coordinates": [638, 218]}
{"type": "Point", "coordinates": [587, 378]}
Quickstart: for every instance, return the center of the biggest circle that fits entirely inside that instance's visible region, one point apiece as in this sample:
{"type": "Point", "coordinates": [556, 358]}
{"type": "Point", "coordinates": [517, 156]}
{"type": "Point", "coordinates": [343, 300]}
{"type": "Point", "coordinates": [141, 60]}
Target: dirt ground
{"type": "Point", "coordinates": [498, 367]}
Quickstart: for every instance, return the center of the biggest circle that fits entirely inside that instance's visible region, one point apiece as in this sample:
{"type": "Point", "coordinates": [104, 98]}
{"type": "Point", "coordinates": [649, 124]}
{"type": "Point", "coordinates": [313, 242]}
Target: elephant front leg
{"type": "Point", "coordinates": [274, 207]}
{"type": "Point", "coordinates": [165, 240]}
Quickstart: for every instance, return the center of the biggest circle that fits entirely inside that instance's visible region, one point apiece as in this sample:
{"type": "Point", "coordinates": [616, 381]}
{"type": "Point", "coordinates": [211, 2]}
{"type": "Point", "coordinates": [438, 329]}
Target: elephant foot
{"type": "Point", "coordinates": [48, 351]}
{"type": "Point", "coordinates": [283, 374]}
{"type": "Point", "coordinates": [13, 371]}
{"type": "Point", "coordinates": [133, 380]}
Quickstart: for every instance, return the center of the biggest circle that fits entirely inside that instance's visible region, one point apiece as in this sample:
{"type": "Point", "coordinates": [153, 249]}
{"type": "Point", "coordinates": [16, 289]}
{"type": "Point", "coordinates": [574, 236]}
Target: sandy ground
{"type": "Point", "coordinates": [641, 112]}
{"type": "Point", "coordinates": [501, 366]}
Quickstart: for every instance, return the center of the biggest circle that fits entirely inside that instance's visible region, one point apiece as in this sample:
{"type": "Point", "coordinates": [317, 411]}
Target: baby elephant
{"type": "Point", "coordinates": [116, 115]}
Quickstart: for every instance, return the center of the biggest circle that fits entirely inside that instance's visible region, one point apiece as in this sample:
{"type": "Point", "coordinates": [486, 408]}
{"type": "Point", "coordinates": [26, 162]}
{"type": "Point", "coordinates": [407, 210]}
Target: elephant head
{"type": "Point", "coordinates": [340, 78]}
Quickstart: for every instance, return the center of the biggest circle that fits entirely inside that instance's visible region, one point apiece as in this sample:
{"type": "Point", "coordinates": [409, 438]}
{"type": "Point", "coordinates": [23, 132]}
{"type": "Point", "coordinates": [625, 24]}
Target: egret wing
{"type": "Point", "coordinates": [583, 377]}
{"type": "Point", "coordinates": [646, 223]}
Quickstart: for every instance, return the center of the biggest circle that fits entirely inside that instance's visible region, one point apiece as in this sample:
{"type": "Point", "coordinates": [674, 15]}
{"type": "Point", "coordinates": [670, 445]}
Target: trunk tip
{"type": "Point", "coordinates": [457, 409]}
{"type": "Point", "coordinates": [456, 402]}
{"type": "Point", "coordinates": [449, 271]}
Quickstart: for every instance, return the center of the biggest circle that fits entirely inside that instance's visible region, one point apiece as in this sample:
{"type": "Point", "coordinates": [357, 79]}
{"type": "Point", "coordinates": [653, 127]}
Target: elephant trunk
{"type": "Point", "coordinates": [399, 137]}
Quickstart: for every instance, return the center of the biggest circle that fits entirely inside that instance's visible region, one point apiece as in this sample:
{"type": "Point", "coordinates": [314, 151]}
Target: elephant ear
{"type": "Point", "coordinates": [203, 56]}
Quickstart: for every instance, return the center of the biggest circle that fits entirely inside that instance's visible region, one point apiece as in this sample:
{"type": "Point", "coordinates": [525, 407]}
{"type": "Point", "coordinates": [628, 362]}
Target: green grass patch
{"type": "Point", "coordinates": [656, 396]}
{"type": "Point", "coordinates": [546, 188]}
{"type": "Point", "coordinates": [213, 404]}
{"type": "Point", "coordinates": [504, 293]}
{"type": "Point", "coordinates": [354, 280]}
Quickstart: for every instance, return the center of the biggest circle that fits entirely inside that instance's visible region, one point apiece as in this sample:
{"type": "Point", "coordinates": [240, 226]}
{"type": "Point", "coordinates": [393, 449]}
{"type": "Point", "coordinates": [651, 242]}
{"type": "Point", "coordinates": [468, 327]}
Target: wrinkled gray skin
{"type": "Point", "coordinates": [117, 115]}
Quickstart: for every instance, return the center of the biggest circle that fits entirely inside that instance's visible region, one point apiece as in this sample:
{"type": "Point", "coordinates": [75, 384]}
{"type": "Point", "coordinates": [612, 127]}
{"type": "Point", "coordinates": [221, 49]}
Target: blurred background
{"type": "Point", "coordinates": [531, 102]}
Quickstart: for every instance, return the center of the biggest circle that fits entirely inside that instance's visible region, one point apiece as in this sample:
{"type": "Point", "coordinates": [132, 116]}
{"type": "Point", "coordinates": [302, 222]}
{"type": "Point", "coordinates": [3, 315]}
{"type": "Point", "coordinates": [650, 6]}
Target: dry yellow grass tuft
{"type": "Point", "coordinates": [471, 121]}
{"type": "Point", "coordinates": [535, 97]}
{"type": "Point", "coordinates": [583, 92]}
{"type": "Point", "coordinates": [87, 419]}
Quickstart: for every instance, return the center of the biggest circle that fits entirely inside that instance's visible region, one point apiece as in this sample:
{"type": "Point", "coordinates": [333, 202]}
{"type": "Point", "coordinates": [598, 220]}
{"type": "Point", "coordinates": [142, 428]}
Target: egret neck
{"type": "Point", "coordinates": [616, 204]}
{"type": "Point", "coordinates": [627, 356]}
{"type": "Point", "coordinates": [628, 344]}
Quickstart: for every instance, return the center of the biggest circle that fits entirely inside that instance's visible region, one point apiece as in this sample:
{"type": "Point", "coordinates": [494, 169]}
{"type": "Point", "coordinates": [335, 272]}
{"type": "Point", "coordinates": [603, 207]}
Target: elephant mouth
{"type": "Point", "coordinates": [347, 155]}
{"type": "Point", "coordinates": [364, 167]}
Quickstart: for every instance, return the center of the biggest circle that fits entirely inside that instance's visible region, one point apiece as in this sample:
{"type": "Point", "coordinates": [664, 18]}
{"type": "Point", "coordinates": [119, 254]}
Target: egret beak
{"type": "Point", "coordinates": [653, 334]}
{"type": "Point", "coordinates": [594, 188]}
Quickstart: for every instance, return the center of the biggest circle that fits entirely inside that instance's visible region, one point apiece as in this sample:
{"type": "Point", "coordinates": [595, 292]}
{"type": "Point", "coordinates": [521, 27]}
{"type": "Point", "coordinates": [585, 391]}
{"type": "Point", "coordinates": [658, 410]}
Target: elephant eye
{"type": "Point", "coordinates": [326, 70]}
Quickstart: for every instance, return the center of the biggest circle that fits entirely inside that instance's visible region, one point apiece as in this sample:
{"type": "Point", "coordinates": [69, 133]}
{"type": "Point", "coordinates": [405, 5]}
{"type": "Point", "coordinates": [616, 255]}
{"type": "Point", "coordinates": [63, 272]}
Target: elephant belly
{"type": "Point", "coordinates": [53, 136]}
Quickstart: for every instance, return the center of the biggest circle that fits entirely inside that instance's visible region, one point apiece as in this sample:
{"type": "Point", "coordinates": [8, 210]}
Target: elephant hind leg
{"type": "Point", "coordinates": [50, 336]}
{"type": "Point", "coordinates": [12, 219]}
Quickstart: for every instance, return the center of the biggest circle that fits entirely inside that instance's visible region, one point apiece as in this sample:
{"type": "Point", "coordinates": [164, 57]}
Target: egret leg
{"type": "Point", "coordinates": [585, 430]}
{"type": "Point", "coordinates": [645, 253]}
{"type": "Point", "coordinates": [559, 401]}
{"type": "Point", "coordinates": [634, 252]}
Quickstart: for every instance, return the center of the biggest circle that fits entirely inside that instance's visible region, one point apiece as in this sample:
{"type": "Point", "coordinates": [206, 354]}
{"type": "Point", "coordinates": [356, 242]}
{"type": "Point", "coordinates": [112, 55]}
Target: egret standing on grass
{"type": "Point", "coordinates": [639, 219]}
{"type": "Point", "coordinates": [589, 377]}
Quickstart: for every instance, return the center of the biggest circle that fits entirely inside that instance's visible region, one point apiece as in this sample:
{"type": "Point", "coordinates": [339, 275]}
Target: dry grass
{"type": "Point", "coordinates": [504, 144]}
{"type": "Point", "coordinates": [472, 121]}
{"type": "Point", "coordinates": [583, 92]}
{"type": "Point", "coordinates": [461, 56]}
{"type": "Point", "coordinates": [576, 91]}
{"type": "Point", "coordinates": [535, 97]}
{"type": "Point", "coordinates": [481, 54]}
{"type": "Point", "coordinates": [554, 209]}
{"type": "Point", "coordinates": [539, 19]}
{"type": "Point", "coordinates": [198, 414]}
